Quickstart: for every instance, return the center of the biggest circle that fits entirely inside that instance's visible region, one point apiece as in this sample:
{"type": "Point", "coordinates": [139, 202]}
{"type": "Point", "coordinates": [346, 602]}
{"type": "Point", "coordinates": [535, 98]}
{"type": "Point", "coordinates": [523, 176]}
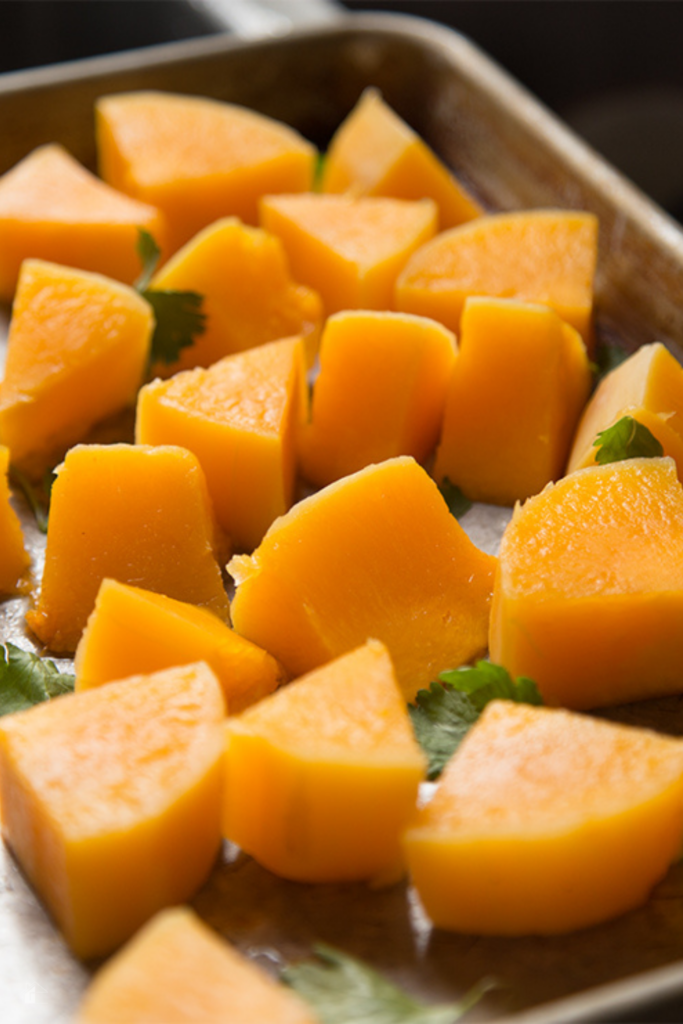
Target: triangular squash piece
{"type": "Point", "coordinates": [322, 776]}
{"type": "Point", "coordinates": [196, 158]}
{"type": "Point", "coordinates": [240, 418]}
{"type": "Point", "coordinates": [52, 208]}
{"type": "Point", "coordinates": [349, 250]}
{"type": "Point", "coordinates": [77, 353]}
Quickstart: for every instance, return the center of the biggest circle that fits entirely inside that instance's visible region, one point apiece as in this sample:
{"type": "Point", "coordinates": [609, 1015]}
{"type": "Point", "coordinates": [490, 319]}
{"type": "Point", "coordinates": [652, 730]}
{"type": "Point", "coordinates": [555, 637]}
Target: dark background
{"type": "Point", "coordinates": [613, 69]}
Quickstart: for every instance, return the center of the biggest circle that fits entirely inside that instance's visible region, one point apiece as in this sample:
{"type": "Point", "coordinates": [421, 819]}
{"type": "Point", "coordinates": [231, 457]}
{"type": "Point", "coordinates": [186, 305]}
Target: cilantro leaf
{"type": "Point", "coordinates": [37, 498]}
{"type": "Point", "coordinates": [626, 439]}
{"type": "Point", "coordinates": [178, 314]}
{"type": "Point", "coordinates": [344, 990]}
{"type": "Point", "coordinates": [443, 715]}
{"type": "Point", "coordinates": [610, 353]}
{"type": "Point", "coordinates": [26, 679]}
{"type": "Point", "coordinates": [457, 503]}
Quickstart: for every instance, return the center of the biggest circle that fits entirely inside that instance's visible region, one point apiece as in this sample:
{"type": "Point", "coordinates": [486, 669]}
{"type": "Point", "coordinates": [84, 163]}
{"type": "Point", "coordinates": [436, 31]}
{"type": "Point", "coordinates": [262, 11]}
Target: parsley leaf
{"type": "Point", "coordinates": [344, 990]}
{"type": "Point", "coordinates": [443, 715]}
{"type": "Point", "coordinates": [37, 498]}
{"type": "Point", "coordinates": [457, 503]}
{"type": "Point", "coordinates": [626, 439]}
{"type": "Point", "coordinates": [178, 314]}
{"type": "Point", "coordinates": [610, 353]}
{"type": "Point", "coordinates": [26, 679]}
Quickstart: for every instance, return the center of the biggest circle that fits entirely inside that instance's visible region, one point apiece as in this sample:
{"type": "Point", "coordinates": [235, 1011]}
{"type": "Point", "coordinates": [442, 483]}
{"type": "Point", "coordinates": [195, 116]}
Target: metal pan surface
{"type": "Point", "coordinates": [514, 154]}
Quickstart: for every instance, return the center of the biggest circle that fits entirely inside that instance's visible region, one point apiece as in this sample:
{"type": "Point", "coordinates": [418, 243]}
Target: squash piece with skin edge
{"type": "Point", "coordinates": [380, 392]}
{"type": "Point", "coordinates": [249, 296]}
{"type": "Point", "coordinates": [111, 800]}
{"type": "Point", "coordinates": [240, 417]}
{"type": "Point", "coordinates": [542, 256]}
{"type": "Point", "coordinates": [136, 513]}
{"type": "Point", "coordinates": [350, 250]}
{"type": "Point", "coordinates": [647, 386]}
{"type": "Point", "coordinates": [133, 631]}
{"type": "Point", "coordinates": [589, 595]}
{"type": "Point", "coordinates": [374, 152]}
{"type": "Point", "coordinates": [534, 372]}
{"type": "Point", "coordinates": [375, 554]}
{"type": "Point", "coordinates": [322, 777]}
{"type": "Point", "coordinates": [141, 984]}
{"type": "Point", "coordinates": [197, 159]}
{"type": "Point", "coordinates": [52, 208]}
{"type": "Point", "coordinates": [14, 558]}
{"type": "Point", "coordinates": [77, 353]}
{"type": "Point", "coordinates": [546, 821]}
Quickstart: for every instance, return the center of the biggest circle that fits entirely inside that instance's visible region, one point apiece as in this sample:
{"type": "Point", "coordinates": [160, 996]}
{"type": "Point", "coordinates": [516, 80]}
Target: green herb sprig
{"type": "Point", "coordinates": [626, 439]}
{"type": "Point", "coordinates": [26, 679]}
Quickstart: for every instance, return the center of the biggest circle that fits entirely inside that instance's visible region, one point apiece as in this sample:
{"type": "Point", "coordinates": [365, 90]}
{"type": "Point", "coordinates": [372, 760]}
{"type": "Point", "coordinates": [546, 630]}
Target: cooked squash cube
{"type": "Point", "coordinates": [14, 558]}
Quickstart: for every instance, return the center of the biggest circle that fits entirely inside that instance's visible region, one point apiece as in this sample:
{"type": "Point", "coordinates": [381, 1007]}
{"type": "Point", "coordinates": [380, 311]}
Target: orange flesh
{"type": "Point", "coordinates": [589, 595]}
{"type": "Point", "coordinates": [197, 159]}
{"type": "Point", "coordinates": [240, 418]}
{"type": "Point", "coordinates": [111, 800]}
{"type": "Point", "coordinates": [138, 514]}
{"type": "Point", "coordinates": [77, 352]}
{"type": "Point", "coordinates": [349, 250]}
{"type": "Point", "coordinates": [143, 985]}
{"type": "Point", "coordinates": [546, 821]}
{"type": "Point", "coordinates": [323, 775]}
{"type": "Point", "coordinates": [374, 152]}
{"type": "Point", "coordinates": [14, 558]}
{"type": "Point", "coordinates": [544, 256]}
{"type": "Point", "coordinates": [647, 386]}
{"type": "Point", "coordinates": [249, 295]}
{"type": "Point", "coordinates": [52, 208]}
{"type": "Point", "coordinates": [520, 382]}
{"type": "Point", "coordinates": [132, 631]}
{"type": "Point", "coordinates": [349, 563]}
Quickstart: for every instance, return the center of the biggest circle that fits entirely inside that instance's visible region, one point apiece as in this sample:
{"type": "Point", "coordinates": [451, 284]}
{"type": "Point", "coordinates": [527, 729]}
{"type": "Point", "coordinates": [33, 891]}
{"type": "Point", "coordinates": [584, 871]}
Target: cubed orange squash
{"type": "Point", "coordinates": [132, 631]}
{"type": "Point", "coordinates": [546, 821]}
{"type": "Point", "coordinates": [135, 513]}
{"type": "Point", "coordinates": [77, 353]}
{"type": "Point", "coordinates": [350, 250]}
{"type": "Point", "coordinates": [176, 970]}
{"type": "Point", "coordinates": [14, 558]}
{"type": "Point", "coordinates": [544, 256]}
{"type": "Point", "coordinates": [380, 392]}
{"type": "Point", "coordinates": [111, 800]}
{"type": "Point", "coordinates": [322, 776]}
{"type": "Point", "coordinates": [374, 152]}
{"type": "Point", "coordinates": [197, 159]}
{"type": "Point", "coordinates": [520, 382]}
{"type": "Point", "coordinates": [249, 296]}
{"type": "Point", "coordinates": [52, 208]}
{"type": "Point", "coordinates": [240, 418]}
{"type": "Point", "coordinates": [647, 386]}
{"type": "Point", "coordinates": [376, 554]}
{"type": "Point", "coordinates": [589, 595]}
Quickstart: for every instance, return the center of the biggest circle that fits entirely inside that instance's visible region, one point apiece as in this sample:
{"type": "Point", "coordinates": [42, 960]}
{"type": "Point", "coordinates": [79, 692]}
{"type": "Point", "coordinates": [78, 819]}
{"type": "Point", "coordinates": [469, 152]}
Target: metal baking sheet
{"type": "Point", "coordinates": [514, 154]}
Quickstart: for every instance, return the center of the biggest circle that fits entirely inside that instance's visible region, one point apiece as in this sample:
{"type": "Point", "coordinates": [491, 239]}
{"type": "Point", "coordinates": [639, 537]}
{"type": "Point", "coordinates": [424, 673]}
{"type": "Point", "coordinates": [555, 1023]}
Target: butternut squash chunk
{"type": "Point", "coordinates": [545, 821]}
{"type": "Point", "coordinates": [349, 250]}
{"type": "Point", "coordinates": [380, 392]}
{"type": "Point", "coordinates": [518, 387]}
{"type": "Point", "coordinates": [132, 631]}
{"type": "Point", "coordinates": [77, 353]}
{"type": "Point", "coordinates": [14, 558]}
{"type": "Point", "coordinates": [249, 295]}
{"type": "Point", "coordinates": [240, 418]}
{"type": "Point", "coordinates": [647, 386]}
{"type": "Point", "coordinates": [322, 777]}
{"type": "Point", "coordinates": [544, 256]}
{"type": "Point", "coordinates": [52, 208]}
{"type": "Point", "coordinates": [374, 152]}
{"type": "Point", "coordinates": [197, 159]}
{"type": "Point", "coordinates": [135, 513]}
{"type": "Point", "coordinates": [376, 554]}
{"type": "Point", "coordinates": [111, 800]}
{"type": "Point", "coordinates": [177, 970]}
{"type": "Point", "coordinates": [589, 595]}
